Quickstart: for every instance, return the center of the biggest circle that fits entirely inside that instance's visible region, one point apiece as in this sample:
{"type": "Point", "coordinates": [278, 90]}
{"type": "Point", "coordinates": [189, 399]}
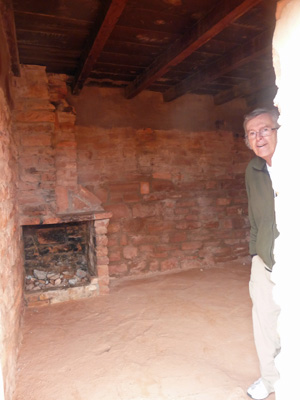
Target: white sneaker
{"type": "Point", "coordinates": [257, 390]}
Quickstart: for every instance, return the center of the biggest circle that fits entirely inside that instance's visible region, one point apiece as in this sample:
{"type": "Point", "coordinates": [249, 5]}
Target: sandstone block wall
{"type": "Point", "coordinates": [47, 150]}
{"type": "Point", "coordinates": [34, 125]}
{"type": "Point", "coordinates": [172, 174]}
{"type": "Point", "coordinates": [177, 195]}
{"type": "Point", "coordinates": [11, 262]}
{"type": "Point", "coordinates": [178, 198]}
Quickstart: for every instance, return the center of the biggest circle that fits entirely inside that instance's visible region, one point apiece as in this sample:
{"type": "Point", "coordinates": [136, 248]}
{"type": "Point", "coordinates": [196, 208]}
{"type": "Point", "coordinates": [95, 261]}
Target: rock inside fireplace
{"type": "Point", "coordinates": [58, 256]}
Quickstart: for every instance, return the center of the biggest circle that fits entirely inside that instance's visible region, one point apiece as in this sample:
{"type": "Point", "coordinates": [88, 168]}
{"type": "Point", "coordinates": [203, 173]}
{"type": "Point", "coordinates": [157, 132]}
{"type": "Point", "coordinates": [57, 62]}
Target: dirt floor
{"type": "Point", "coordinates": [185, 336]}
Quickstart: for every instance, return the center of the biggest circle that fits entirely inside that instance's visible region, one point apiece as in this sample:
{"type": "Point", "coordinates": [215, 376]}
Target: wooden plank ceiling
{"type": "Point", "coordinates": [216, 47]}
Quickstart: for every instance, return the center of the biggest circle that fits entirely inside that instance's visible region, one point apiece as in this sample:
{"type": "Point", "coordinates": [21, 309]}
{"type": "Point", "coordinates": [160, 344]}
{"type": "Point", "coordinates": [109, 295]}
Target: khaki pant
{"type": "Point", "coordinates": [265, 313]}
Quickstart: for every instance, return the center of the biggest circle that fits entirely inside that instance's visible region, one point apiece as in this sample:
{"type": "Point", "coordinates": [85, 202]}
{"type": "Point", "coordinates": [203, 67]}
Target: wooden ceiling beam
{"type": "Point", "coordinates": [262, 81]}
{"type": "Point", "coordinates": [236, 58]}
{"type": "Point", "coordinates": [109, 17]}
{"type": "Point", "coordinates": [8, 22]}
{"type": "Point", "coordinates": [205, 29]}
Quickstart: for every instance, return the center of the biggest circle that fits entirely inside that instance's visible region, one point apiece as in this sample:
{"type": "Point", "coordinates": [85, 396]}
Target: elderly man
{"type": "Point", "coordinates": [261, 136]}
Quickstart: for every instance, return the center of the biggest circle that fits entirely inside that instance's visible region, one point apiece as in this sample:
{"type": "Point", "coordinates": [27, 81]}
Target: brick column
{"type": "Point", "coordinates": [101, 255]}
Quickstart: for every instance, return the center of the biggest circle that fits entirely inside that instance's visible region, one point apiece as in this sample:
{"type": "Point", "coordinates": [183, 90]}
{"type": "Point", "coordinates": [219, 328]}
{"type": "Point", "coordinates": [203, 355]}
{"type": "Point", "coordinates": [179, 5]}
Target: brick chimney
{"type": "Point", "coordinates": [48, 189]}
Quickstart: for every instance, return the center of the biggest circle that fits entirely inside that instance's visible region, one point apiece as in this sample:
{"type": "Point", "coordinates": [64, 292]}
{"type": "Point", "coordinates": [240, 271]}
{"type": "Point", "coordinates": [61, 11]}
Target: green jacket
{"type": "Point", "coordinates": [261, 211]}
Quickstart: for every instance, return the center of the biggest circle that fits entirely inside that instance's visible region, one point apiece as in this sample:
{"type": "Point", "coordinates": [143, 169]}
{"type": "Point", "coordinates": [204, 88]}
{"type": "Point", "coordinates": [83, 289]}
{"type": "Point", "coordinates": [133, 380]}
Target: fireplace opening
{"type": "Point", "coordinates": [59, 256]}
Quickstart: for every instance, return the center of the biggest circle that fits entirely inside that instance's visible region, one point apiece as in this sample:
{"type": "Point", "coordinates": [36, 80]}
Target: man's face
{"type": "Point", "coordinates": [263, 146]}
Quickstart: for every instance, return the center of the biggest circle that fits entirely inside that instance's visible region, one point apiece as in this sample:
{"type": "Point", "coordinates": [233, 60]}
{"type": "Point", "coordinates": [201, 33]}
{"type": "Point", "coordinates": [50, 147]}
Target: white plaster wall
{"type": "Point", "coordinates": [286, 180]}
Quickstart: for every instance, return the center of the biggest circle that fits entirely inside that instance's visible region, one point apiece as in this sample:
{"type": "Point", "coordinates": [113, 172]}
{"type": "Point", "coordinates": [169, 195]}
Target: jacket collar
{"type": "Point", "coordinates": [259, 163]}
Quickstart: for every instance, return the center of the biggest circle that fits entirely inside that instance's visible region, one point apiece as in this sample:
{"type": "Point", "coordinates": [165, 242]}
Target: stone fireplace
{"type": "Point", "coordinates": [67, 260]}
{"type": "Point", "coordinates": [64, 224]}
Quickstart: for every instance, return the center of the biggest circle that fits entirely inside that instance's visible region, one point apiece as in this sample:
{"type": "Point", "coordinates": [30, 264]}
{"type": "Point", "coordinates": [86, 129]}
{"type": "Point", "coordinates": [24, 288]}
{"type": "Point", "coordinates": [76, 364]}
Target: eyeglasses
{"type": "Point", "coordinates": [266, 131]}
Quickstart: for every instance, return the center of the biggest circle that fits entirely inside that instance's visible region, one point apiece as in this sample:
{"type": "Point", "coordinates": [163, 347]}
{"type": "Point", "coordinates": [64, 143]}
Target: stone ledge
{"type": "Point", "coordinates": [63, 218]}
{"type": "Point", "coordinates": [43, 298]}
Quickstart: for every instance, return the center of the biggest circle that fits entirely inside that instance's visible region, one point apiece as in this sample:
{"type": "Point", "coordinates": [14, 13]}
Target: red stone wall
{"type": "Point", "coordinates": [34, 124]}
{"type": "Point", "coordinates": [11, 263]}
{"type": "Point", "coordinates": [177, 197]}
{"type": "Point", "coordinates": [44, 125]}
{"type": "Point", "coordinates": [172, 174]}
